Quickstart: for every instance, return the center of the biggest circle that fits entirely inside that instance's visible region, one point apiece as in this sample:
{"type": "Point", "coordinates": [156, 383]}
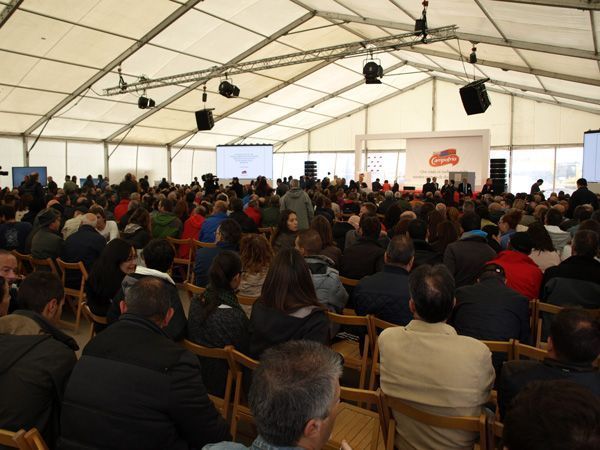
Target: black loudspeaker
{"type": "Point", "coordinates": [204, 119]}
{"type": "Point", "coordinates": [474, 97]}
{"type": "Point", "coordinates": [498, 174]}
{"type": "Point", "coordinates": [310, 168]}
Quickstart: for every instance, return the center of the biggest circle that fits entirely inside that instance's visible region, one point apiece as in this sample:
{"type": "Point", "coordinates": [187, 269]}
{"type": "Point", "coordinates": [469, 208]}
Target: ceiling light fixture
{"type": "Point", "coordinates": [421, 24]}
{"type": "Point", "coordinates": [473, 55]}
{"type": "Point", "coordinates": [372, 72]}
{"type": "Point", "coordinates": [227, 89]}
{"type": "Point", "coordinates": [146, 102]}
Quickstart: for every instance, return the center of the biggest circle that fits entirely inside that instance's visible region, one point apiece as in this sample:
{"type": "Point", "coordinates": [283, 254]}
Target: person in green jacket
{"type": "Point", "coordinates": [166, 223]}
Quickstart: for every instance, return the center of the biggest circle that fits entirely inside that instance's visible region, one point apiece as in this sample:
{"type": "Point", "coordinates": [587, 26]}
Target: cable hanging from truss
{"type": "Point", "coordinates": [365, 47]}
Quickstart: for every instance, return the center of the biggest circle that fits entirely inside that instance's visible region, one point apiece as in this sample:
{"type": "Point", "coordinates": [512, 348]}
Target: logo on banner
{"type": "Point", "coordinates": [444, 157]}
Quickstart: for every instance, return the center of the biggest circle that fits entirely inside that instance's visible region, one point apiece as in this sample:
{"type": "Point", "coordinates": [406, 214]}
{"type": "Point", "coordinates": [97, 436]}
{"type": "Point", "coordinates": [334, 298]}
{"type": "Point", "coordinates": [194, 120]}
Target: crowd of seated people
{"type": "Point", "coordinates": [447, 273]}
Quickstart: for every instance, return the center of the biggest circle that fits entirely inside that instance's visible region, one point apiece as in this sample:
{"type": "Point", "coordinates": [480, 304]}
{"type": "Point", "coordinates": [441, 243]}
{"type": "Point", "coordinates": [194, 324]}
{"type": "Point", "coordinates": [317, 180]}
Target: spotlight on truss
{"type": "Point", "coordinates": [372, 72]}
{"type": "Point", "coordinates": [146, 102]}
{"type": "Point", "coordinates": [227, 89]}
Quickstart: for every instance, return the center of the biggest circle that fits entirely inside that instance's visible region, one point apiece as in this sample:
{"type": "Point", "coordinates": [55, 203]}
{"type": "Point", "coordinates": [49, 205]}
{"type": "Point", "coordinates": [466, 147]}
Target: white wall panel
{"type": "Point", "coordinates": [205, 161]}
{"type": "Point", "coordinates": [122, 161]}
{"type": "Point", "coordinates": [181, 166]}
{"type": "Point", "coordinates": [11, 149]}
{"type": "Point", "coordinates": [85, 158]}
{"type": "Point", "coordinates": [152, 161]}
{"type": "Point", "coordinates": [52, 155]}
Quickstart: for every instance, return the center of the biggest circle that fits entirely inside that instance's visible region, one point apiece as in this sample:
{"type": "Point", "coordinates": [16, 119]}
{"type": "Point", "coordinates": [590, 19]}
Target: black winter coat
{"type": "Point", "coordinates": [361, 259]}
{"type": "Point", "coordinates": [134, 388]}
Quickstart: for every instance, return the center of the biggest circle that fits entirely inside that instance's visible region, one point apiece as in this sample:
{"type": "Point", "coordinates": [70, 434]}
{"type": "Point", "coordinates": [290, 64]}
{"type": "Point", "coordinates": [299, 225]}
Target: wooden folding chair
{"type": "Point", "coordinates": [532, 315]}
{"type": "Point", "coordinates": [75, 297]}
{"type": "Point", "coordinates": [348, 282]}
{"type": "Point", "coordinates": [267, 232]}
{"type": "Point", "coordinates": [93, 319]}
{"type": "Point", "coordinates": [362, 428]}
{"type": "Point", "coordinates": [223, 404]}
{"type": "Point", "coordinates": [350, 349]}
{"type": "Point", "coordinates": [495, 428]}
{"type": "Point", "coordinates": [192, 290]}
{"type": "Point", "coordinates": [375, 325]}
{"type": "Point", "coordinates": [14, 439]}
{"type": "Point", "coordinates": [521, 351]}
{"type": "Point", "coordinates": [187, 260]}
{"type": "Point", "coordinates": [197, 244]}
{"type": "Point", "coordinates": [501, 347]}
{"type": "Point", "coordinates": [46, 265]}
{"type": "Point", "coordinates": [35, 440]}
{"type": "Point", "coordinates": [24, 266]}
{"type": "Point", "coordinates": [241, 412]}
{"type": "Point", "coordinates": [541, 308]}
{"type": "Point", "coordinates": [472, 424]}
{"type": "Point", "coordinates": [246, 300]}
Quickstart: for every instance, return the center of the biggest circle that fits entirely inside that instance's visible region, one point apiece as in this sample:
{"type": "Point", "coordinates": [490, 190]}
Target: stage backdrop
{"type": "Point", "coordinates": [439, 153]}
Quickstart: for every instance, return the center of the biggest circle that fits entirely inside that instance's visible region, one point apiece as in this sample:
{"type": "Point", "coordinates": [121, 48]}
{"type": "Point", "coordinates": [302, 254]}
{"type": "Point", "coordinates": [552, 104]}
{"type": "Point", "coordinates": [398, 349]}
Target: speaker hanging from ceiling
{"type": "Point", "coordinates": [474, 97]}
{"type": "Point", "coordinates": [204, 119]}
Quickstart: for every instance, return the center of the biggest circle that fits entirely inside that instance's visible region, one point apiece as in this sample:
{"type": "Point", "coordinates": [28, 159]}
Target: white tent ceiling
{"type": "Point", "coordinates": [57, 56]}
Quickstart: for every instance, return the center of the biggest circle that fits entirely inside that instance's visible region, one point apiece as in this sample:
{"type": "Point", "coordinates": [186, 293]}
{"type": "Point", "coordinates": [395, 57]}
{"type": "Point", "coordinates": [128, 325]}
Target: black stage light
{"type": "Point", "coordinates": [145, 102]}
{"type": "Point", "coordinates": [473, 55]}
{"type": "Point", "coordinates": [372, 72]}
{"type": "Point", "coordinates": [226, 89]}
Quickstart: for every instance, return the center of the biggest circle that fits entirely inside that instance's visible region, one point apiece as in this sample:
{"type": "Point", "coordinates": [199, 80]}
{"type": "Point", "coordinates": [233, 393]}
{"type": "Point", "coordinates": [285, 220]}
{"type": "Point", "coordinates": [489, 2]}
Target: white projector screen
{"type": "Point", "coordinates": [591, 155]}
{"type": "Point", "coordinates": [244, 161]}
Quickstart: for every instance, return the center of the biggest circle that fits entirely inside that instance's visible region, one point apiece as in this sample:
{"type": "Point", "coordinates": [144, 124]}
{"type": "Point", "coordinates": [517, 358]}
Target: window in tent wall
{"type": "Point", "coordinates": [121, 161]}
{"type": "Point", "coordinates": [530, 164]}
{"type": "Point", "coordinates": [293, 164]}
{"type": "Point", "coordinates": [278, 165]}
{"type": "Point", "coordinates": [84, 158]}
{"type": "Point", "coordinates": [205, 161]}
{"type": "Point", "coordinates": [325, 163]}
{"type": "Point", "coordinates": [401, 170]}
{"type": "Point", "coordinates": [181, 166]}
{"type": "Point", "coordinates": [503, 153]}
{"type": "Point", "coordinates": [344, 166]}
{"type": "Point", "coordinates": [52, 155]}
{"type": "Point", "coordinates": [11, 150]}
{"type": "Point", "coordinates": [152, 161]}
{"type": "Point", "coordinates": [569, 161]}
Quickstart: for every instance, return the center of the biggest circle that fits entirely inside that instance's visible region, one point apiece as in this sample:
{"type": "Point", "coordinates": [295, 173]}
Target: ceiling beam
{"type": "Point", "coordinates": [592, 5]}
{"type": "Point", "coordinates": [9, 10]}
{"type": "Point", "coordinates": [482, 39]}
{"type": "Point", "coordinates": [360, 108]}
{"type": "Point", "coordinates": [217, 71]}
{"type": "Point", "coordinates": [258, 98]}
{"type": "Point", "coordinates": [510, 85]}
{"type": "Point", "coordinates": [311, 105]}
{"type": "Point", "coordinates": [525, 96]}
{"type": "Point", "coordinates": [115, 62]}
{"type": "Point", "coordinates": [504, 66]}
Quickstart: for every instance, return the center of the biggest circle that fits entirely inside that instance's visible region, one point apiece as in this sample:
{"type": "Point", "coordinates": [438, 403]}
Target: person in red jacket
{"type": "Point", "coordinates": [522, 273]}
{"type": "Point", "coordinates": [191, 229]}
{"type": "Point", "coordinates": [121, 209]}
{"type": "Point", "coordinates": [253, 211]}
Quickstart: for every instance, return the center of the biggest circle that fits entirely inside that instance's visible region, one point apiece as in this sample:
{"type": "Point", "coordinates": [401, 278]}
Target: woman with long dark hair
{"type": "Point", "coordinates": [138, 231]}
{"type": "Point", "coordinates": [543, 254]}
{"type": "Point", "coordinates": [322, 226]}
{"type": "Point", "coordinates": [288, 308]}
{"type": "Point", "coordinates": [116, 260]}
{"type": "Point", "coordinates": [256, 255]}
{"type": "Point", "coordinates": [287, 229]}
{"type": "Point", "coordinates": [216, 319]}
{"type": "Point", "coordinates": [446, 235]}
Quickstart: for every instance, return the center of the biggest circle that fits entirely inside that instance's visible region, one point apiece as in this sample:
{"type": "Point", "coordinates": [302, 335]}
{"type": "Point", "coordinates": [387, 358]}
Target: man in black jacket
{"type": "Point", "coordinates": [490, 310]}
{"type": "Point", "coordinates": [385, 294]}
{"type": "Point", "coordinates": [135, 388]}
{"type": "Point", "coordinates": [573, 346]}
{"type": "Point", "coordinates": [424, 253]}
{"type": "Point", "coordinates": [582, 196]}
{"type": "Point", "coordinates": [36, 358]}
{"type": "Point", "coordinates": [84, 245]}
{"type": "Point", "coordinates": [366, 256]}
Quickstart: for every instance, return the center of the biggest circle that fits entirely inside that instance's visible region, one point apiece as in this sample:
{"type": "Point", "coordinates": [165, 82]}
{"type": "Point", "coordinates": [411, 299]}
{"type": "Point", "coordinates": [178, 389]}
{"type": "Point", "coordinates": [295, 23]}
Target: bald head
{"type": "Point", "coordinates": [89, 219]}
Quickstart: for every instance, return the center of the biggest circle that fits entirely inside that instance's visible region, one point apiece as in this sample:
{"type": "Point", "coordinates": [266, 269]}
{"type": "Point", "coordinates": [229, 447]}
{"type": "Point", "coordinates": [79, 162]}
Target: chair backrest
{"type": "Point", "coordinates": [76, 266]}
{"type": "Point", "coordinates": [242, 360]}
{"type": "Point", "coordinates": [14, 439]}
{"type": "Point", "coordinates": [35, 440]}
{"type": "Point", "coordinates": [198, 244]}
{"type": "Point", "coordinates": [527, 351]}
{"type": "Point", "coordinates": [348, 281]}
{"type": "Point", "coordinates": [37, 264]}
{"type": "Point", "coordinates": [246, 300]}
{"type": "Point", "coordinates": [540, 308]}
{"type": "Point", "coordinates": [176, 243]}
{"type": "Point", "coordinates": [473, 424]}
{"type": "Point", "coordinates": [343, 319]}
{"type": "Point", "coordinates": [501, 347]}
{"type": "Point", "coordinates": [24, 266]}
{"type": "Point", "coordinates": [192, 289]}
{"type": "Point", "coordinates": [376, 324]}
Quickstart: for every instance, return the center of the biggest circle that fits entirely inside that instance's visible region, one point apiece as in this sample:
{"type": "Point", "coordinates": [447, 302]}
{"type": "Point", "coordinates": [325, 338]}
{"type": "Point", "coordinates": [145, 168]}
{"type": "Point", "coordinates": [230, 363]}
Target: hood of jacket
{"type": "Point", "coordinates": [195, 220]}
{"type": "Point", "coordinates": [295, 193]}
{"type": "Point", "coordinates": [164, 218]}
{"type": "Point", "coordinates": [514, 257]}
{"type": "Point", "coordinates": [319, 264]}
{"type": "Point", "coordinates": [131, 228]}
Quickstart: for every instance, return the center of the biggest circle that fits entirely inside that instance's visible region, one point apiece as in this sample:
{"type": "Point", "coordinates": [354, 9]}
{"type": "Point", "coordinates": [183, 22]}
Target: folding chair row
{"type": "Point", "coordinates": [23, 440]}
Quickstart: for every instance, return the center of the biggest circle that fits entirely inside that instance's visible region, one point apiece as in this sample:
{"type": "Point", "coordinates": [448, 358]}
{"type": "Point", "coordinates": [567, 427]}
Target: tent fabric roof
{"type": "Point", "coordinates": [56, 57]}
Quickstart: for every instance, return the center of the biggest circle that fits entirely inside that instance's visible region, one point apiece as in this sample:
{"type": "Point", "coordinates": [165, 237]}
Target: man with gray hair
{"type": "Point", "coordinates": [147, 391]}
{"type": "Point", "coordinates": [84, 245]}
{"type": "Point", "coordinates": [298, 201]}
{"type": "Point", "coordinates": [294, 397]}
